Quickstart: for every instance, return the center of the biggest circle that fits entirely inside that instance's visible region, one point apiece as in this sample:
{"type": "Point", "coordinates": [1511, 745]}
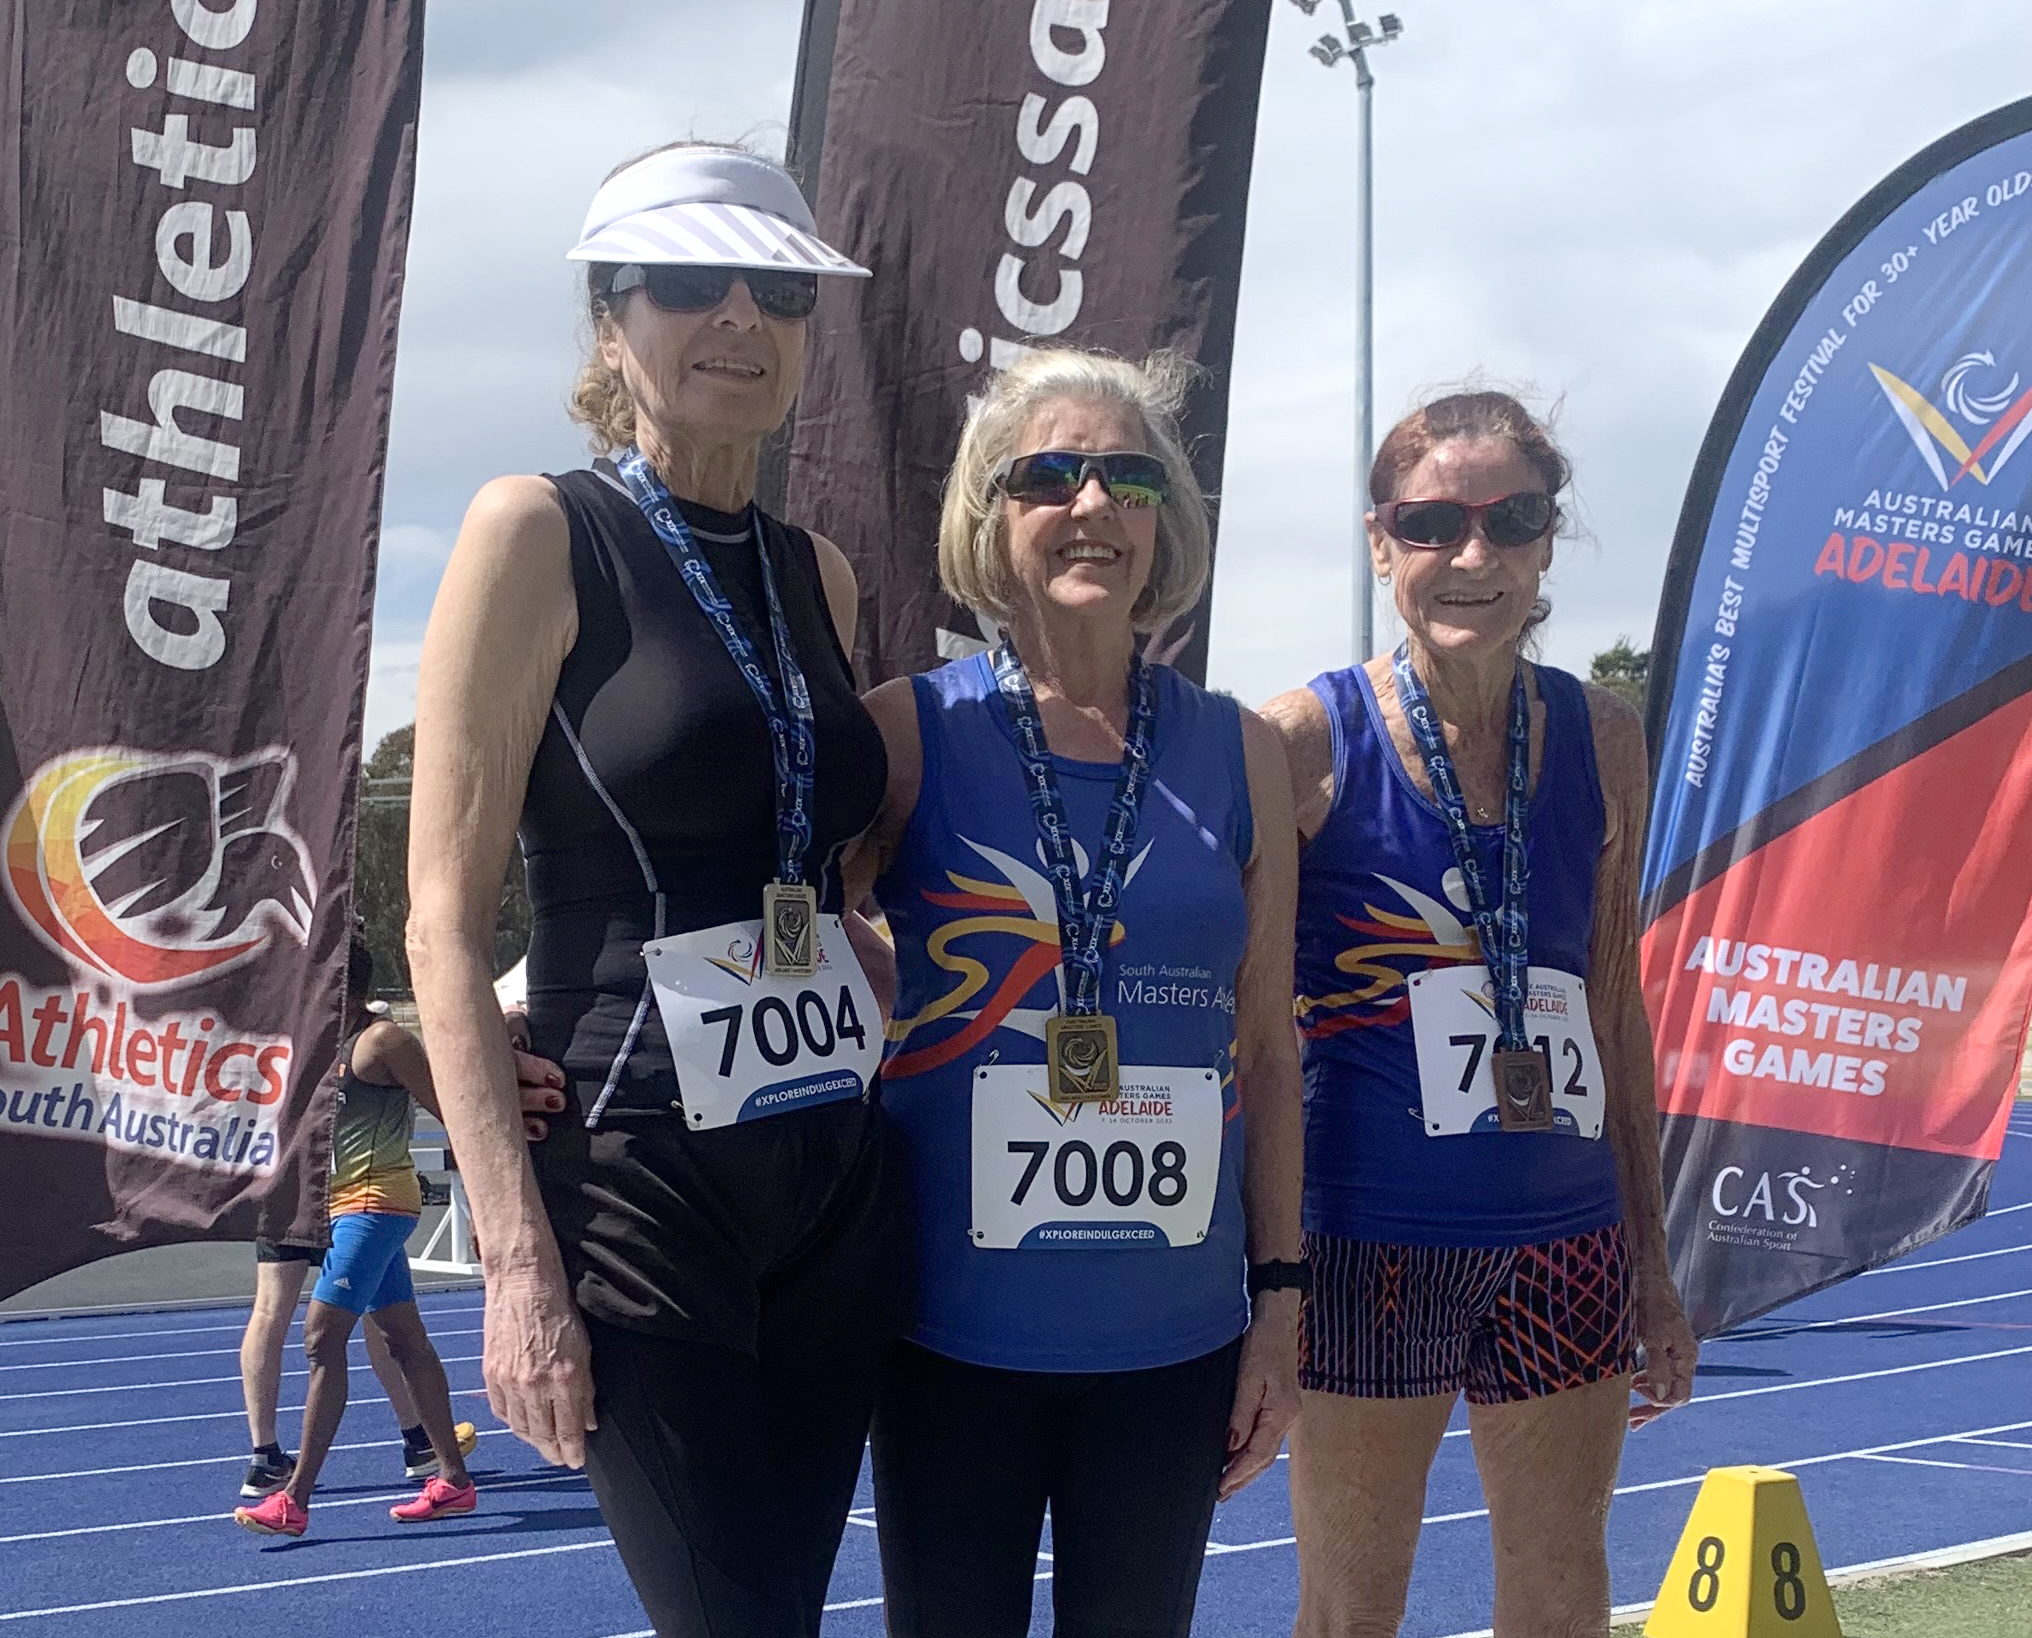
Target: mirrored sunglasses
{"type": "Point", "coordinates": [1053, 477]}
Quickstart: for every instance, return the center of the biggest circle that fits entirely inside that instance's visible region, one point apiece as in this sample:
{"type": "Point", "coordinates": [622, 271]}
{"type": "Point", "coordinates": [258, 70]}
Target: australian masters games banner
{"type": "Point", "coordinates": [1837, 959]}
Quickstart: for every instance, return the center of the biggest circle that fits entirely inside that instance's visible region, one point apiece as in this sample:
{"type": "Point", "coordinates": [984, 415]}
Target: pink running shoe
{"type": "Point", "coordinates": [437, 1501]}
{"type": "Point", "coordinates": [274, 1515]}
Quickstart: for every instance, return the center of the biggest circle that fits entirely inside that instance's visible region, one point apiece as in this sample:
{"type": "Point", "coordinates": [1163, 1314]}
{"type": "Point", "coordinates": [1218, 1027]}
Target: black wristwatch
{"type": "Point", "coordinates": [1275, 1276]}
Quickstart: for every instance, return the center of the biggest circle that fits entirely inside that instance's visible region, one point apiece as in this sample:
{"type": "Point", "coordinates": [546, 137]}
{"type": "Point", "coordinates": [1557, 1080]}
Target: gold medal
{"type": "Point", "coordinates": [789, 930]}
{"type": "Point", "coordinates": [1079, 1052]}
{"type": "Point", "coordinates": [1523, 1091]}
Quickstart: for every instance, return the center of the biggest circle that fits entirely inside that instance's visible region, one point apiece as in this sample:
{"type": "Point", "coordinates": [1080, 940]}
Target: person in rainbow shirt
{"type": "Point", "coordinates": [375, 1202]}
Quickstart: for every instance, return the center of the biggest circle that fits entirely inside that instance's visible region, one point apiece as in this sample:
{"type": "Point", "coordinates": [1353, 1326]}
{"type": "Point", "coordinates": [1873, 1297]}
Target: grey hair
{"type": "Point", "coordinates": [973, 556]}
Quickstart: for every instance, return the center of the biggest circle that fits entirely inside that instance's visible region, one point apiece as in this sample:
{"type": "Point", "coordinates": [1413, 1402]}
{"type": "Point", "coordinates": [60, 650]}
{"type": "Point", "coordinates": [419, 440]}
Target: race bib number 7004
{"type": "Point", "coordinates": [748, 1046]}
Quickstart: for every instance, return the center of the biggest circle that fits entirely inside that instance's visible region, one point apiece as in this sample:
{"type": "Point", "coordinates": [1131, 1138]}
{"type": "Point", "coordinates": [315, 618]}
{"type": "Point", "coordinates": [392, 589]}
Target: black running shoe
{"type": "Point", "coordinates": [266, 1475]}
{"type": "Point", "coordinates": [420, 1461]}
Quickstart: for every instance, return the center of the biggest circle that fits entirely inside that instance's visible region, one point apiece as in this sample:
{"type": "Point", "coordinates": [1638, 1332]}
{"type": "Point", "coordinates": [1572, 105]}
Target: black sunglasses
{"type": "Point", "coordinates": [1514, 520]}
{"type": "Point", "coordinates": [679, 287]}
{"type": "Point", "coordinates": [1053, 477]}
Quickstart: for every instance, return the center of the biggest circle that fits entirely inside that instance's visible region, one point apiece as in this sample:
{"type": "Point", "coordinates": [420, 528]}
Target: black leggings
{"type": "Point", "coordinates": [966, 1458]}
{"type": "Point", "coordinates": [725, 1479]}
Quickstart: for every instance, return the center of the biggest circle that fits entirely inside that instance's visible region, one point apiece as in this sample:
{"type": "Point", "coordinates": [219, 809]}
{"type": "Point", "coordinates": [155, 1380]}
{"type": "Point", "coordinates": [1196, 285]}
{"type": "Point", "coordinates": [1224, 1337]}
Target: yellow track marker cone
{"type": "Point", "coordinates": [1746, 1565]}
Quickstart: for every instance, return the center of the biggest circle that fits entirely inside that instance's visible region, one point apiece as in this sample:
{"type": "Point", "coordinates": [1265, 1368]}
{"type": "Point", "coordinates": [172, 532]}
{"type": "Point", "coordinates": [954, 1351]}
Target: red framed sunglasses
{"type": "Point", "coordinates": [1434, 525]}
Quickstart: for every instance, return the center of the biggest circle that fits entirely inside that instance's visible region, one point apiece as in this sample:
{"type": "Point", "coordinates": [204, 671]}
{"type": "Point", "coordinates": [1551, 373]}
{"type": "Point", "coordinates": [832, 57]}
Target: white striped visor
{"type": "Point", "coordinates": [712, 207]}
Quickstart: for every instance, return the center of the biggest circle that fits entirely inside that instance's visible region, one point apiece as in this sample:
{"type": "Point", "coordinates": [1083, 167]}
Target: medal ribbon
{"type": "Point", "coordinates": [792, 742]}
{"type": "Point", "coordinates": [1504, 927]}
{"type": "Point", "coordinates": [1085, 922]}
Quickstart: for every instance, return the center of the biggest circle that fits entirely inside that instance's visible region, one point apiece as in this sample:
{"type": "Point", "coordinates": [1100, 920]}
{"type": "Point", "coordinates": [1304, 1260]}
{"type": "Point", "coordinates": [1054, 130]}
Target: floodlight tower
{"type": "Point", "coordinates": [1360, 39]}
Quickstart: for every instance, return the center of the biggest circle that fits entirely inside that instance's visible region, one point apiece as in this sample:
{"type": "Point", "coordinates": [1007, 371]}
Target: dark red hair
{"type": "Point", "coordinates": [1465, 415]}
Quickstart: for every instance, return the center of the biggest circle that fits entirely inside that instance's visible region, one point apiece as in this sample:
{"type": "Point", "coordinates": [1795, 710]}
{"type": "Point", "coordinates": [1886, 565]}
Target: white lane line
{"type": "Point", "coordinates": [1859, 1376]}
{"type": "Point", "coordinates": [2008, 1444]}
{"type": "Point", "coordinates": [300, 1581]}
{"type": "Point", "coordinates": [1217, 1549]}
{"type": "Point", "coordinates": [201, 1461]}
{"type": "Point", "coordinates": [227, 1516]}
{"type": "Point", "coordinates": [1865, 1319]}
{"type": "Point", "coordinates": [1042, 1575]}
{"type": "Point", "coordinates": [200, 1330]}
{"type": "Point", "coordinates": [193, 1382]}
{"type": "Point", "coordinates": [193, 1416]}
{"type": "Point", "coordinates": [1943, 1262]}
{"type": "Point", "coordinates": [1700, 1399]}
{"type": "Point", "coordinates": [1959, 1467]}
{"type": "Point", "coordinates": [359, 1340]}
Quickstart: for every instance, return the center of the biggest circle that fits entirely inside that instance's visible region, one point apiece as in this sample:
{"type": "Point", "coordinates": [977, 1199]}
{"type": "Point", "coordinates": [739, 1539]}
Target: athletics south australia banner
{"type": "Point", "coordinates": [1048, 171]}
{"type": "Point", "coordinates": [204, 218]}
{"type": "Point", "coordinates": [1837, 957]}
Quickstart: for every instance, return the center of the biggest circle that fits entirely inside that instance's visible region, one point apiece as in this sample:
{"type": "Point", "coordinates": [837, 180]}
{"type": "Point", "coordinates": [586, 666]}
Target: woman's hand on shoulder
{"type": "Point", "coordinates": [1301, 722]}
{"type": "Point", "coordinates": [842, 590]}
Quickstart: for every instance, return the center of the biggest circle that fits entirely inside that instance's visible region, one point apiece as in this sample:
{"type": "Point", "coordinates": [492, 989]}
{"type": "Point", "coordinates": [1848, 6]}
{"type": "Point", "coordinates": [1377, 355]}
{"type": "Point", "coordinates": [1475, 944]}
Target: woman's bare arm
{"type": "Point", "coordinates": [1623, 1035]}
{"type": "Point", "coordinates": [386, 1054]}
{"type": "Point", "coordinates": [1301, 722]}
{"type": "Point", "coordinates": [1268, 1086]}
{"type": "Point", "coordinates": [893, 705]}
{"type": "Point", "coordinates": [842, 591]}
{"type": "Point", "coordinates": [504, 619]}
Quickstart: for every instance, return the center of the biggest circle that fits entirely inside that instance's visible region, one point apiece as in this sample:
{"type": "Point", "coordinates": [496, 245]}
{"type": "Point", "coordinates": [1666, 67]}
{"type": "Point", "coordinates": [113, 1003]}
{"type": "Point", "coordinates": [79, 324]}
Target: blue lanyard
{"type": "Point", "coordinates": [1085, 924]}
{"type": "Point", "coordinates": [792, 743]}
{"type": "Point", "coordinates": [1505, 928]}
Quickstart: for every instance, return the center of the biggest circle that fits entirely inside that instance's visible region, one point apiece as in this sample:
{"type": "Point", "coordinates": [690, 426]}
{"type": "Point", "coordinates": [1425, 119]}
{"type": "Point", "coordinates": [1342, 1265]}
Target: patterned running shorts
{"type": "Point", "coordinates": [1502, 1323]}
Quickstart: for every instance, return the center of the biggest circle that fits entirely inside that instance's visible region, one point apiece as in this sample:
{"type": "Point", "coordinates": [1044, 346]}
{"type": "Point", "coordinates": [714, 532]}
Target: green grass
{"type": "Point", "coordinates": [1990, 1599]}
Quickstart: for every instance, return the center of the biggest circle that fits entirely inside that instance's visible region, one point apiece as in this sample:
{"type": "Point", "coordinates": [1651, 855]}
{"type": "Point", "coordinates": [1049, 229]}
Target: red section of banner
{"type": "Point", "coordinates": [1866, 975]}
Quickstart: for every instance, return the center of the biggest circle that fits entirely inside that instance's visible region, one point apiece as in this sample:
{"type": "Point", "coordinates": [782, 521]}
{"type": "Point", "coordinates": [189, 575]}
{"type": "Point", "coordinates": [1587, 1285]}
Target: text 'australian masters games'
{"type": "Point", "coordinates": [1836, 885]}
{"type": "Point", "coordinates": [211, 221]}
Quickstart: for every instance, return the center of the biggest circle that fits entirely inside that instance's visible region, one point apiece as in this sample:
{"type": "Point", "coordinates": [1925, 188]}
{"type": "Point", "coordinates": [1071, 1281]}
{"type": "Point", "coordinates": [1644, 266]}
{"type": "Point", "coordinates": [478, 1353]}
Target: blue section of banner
{"type": "Point", "coordinates": [1868, 556]}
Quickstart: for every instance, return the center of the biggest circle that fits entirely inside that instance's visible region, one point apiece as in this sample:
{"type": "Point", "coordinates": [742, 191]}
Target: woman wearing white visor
{"type": "Point", "coordinates": [691, 1288]}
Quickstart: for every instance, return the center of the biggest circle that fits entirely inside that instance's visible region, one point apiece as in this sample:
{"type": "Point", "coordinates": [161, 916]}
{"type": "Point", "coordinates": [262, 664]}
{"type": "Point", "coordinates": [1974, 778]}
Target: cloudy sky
{"type": "Point", "coordinates": [1595, 200]}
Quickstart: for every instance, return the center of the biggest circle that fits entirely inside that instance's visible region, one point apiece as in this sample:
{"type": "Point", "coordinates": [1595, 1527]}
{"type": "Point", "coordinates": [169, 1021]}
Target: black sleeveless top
{"type": "Point", "coordinates": [651, 806]}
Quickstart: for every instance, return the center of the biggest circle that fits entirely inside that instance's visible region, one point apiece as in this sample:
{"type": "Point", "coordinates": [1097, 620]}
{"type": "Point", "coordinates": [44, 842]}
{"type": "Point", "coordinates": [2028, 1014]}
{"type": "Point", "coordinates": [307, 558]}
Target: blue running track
{"type": "Point", "coordinates": [1903, 1400]}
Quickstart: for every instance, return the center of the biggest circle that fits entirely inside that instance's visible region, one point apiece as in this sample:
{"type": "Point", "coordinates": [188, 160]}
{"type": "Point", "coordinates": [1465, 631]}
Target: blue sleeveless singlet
{"type": "Point", "coordinates": [977, 959]}
{"type": "Point", "coordinates": [1380, 898]}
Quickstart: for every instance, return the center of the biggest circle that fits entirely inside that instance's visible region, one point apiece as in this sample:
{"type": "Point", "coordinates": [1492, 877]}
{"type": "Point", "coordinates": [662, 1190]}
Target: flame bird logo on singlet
{"type": "Point", "coordinates": [2004, 412]}
{"type": "Point", "coordinates": [158, 870]}
{"type": "Point", "coordinates": [1020, 905]}
{"type": "Point", "coordinates": [1434, 937]}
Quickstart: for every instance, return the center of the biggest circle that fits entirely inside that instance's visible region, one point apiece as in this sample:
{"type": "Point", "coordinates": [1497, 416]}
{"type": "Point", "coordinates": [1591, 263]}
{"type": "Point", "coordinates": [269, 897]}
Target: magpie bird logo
{"type": "Point", "coordinates": [1998, 416]}
{"type": "Point", "coordinates": [158, 870]}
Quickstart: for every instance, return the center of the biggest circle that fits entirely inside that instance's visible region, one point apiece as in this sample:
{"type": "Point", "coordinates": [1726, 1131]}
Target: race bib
{"type": "Point", "coordinates": [1453, 1023]}
{"type": "Point", "coordinates": [748, 1046]}
{"type": "Point", "coordinates": [1139, 1171]}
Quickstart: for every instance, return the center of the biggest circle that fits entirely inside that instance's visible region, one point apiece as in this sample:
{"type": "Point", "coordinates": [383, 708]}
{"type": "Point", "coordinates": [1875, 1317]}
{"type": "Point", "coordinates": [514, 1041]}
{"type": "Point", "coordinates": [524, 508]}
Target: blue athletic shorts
{"type": "Point", "coordinates": [367, 1268]}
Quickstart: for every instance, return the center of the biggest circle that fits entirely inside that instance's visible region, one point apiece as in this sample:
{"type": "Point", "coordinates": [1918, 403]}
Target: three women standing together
{"type": "Point", "coordinates": [1051, 1244]}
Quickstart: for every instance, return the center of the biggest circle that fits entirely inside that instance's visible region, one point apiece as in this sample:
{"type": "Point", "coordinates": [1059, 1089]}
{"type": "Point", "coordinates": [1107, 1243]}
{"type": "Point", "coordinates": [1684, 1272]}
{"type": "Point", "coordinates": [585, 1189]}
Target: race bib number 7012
{"type": "Point", "coordinates": [1453, 1024]}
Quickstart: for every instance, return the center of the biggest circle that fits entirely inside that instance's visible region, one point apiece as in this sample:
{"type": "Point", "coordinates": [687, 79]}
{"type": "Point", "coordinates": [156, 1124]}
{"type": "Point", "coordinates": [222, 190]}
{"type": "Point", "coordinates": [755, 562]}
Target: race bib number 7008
{"type": "Point", "coordinates": [747, 1046]}
{"type": "Point", "coordinates": [1139, 1171]}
